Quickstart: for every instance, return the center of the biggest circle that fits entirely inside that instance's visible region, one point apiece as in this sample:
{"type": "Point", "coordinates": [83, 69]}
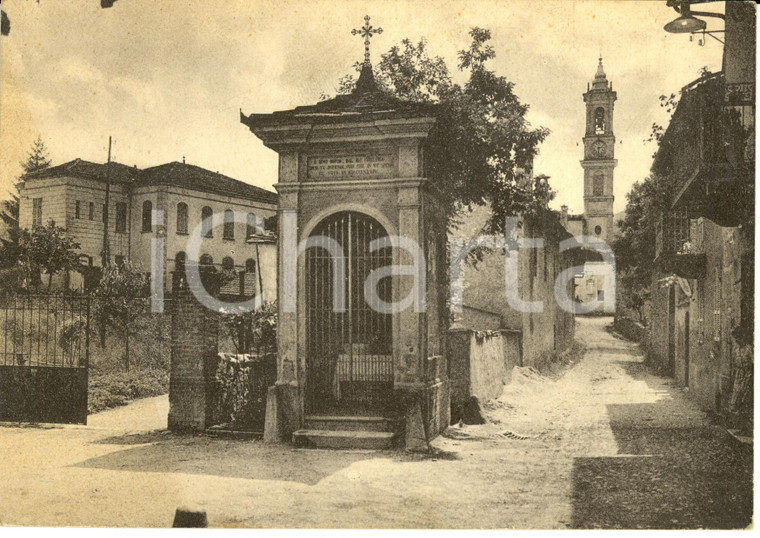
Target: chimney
{"type": "Point", "coordinates": [563, 217]}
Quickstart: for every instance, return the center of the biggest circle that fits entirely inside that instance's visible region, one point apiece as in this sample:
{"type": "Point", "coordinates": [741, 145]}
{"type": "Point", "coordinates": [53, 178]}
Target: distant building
{"type": "Point", "coordinates": [73, 195]}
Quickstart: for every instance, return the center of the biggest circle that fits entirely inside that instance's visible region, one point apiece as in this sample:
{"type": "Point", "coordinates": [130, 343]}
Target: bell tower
{"type": "Point", "coordinates": [599, 157]}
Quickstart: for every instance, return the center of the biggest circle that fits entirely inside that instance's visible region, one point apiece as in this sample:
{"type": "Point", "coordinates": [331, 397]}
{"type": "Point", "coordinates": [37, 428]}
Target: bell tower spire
{"type": "Point", "coordinates": [599, 157]}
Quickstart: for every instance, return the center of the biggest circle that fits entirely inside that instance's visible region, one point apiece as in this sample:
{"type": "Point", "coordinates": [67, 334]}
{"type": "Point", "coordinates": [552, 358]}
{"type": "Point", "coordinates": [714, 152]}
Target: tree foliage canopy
{"type": "Point", "coordinates": [120, 302]}
{"type": "Point", "coordinates": [37, 159]}
{"type": "Point", "coordinates": [49, 248]}
{"type": "Point", "coordinates": [635, 245]}
{"type": "Point", "coordinates": [481, 149]}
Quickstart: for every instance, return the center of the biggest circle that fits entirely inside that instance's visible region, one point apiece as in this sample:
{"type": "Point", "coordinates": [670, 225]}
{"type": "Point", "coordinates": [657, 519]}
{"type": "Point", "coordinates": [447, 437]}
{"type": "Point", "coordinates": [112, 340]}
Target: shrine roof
{"type": "Point", "coordinates": [367, 102]}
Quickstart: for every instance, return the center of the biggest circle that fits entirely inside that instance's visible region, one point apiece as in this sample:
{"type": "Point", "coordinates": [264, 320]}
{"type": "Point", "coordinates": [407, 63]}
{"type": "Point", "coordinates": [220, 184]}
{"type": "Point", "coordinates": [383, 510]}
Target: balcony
{"type": "Point", "coordinates": [679, 245]}
{"type": "Point", "coordinates": [708, 150]}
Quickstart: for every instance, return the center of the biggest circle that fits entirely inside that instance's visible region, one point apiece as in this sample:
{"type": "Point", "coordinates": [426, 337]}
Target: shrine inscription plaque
{"type": "Point", "coordinates": [358, 166]}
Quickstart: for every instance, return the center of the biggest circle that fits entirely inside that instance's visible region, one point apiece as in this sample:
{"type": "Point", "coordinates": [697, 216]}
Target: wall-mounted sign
{"type": "Point", "coordinates": [363, 166]}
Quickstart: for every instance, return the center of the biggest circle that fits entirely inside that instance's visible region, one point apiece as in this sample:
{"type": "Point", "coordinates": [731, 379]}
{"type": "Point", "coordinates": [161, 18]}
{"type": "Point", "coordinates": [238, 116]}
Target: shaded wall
{"type": "Point", "coordinates": [480, 364]}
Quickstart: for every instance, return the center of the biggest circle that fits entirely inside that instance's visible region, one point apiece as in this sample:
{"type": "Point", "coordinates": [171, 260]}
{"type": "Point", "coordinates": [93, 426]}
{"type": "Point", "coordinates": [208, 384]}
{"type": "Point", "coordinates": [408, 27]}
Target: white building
{"type": "Point", "coordinates": [73, 195]}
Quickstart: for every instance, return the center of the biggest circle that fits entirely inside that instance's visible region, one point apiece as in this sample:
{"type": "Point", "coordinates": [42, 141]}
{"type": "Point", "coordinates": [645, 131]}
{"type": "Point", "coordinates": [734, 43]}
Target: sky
{"type": "Point", "coordinates": [166, 79]}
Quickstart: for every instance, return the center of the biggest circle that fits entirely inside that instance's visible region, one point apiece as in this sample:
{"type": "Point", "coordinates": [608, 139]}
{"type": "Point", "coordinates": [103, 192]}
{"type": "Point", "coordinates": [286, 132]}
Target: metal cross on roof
{"type": "Point", "coordinates": [366, 31]}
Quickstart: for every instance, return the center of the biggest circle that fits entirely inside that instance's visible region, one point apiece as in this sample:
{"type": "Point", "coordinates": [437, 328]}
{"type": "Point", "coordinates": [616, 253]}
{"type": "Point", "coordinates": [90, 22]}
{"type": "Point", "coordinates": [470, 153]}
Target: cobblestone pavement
{"type": "Point", "coordinates": [599, 444]}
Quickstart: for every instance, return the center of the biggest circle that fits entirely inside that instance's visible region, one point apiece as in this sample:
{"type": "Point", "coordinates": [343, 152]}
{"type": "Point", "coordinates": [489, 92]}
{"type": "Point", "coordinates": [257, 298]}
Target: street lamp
{"type": "Point", "coordinates": [263, 238]}
{"type": "Point", "coordinates": [687, 22]}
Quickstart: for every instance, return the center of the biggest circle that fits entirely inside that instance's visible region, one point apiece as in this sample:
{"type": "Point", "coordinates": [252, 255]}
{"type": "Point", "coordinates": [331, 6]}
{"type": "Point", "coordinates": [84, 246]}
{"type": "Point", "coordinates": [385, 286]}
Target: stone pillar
{"type": "Point", "coordinates": [284, 412]}
{"type": "Point", "coordinates": [409, 337]}
{"type": "Point", "coordinates": [194, 348]}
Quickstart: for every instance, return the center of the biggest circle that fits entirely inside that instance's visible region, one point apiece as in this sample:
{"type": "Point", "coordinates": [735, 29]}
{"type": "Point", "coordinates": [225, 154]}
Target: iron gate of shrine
{"type": "Point", "coordinates": [349, 362]}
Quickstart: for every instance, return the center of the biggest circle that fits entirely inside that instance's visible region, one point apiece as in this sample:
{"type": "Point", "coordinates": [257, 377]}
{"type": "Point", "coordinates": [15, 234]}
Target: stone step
{"type": "Point", "coordinates": [350, 423]}
{"type": "Point", "coordinates": [343, 439]}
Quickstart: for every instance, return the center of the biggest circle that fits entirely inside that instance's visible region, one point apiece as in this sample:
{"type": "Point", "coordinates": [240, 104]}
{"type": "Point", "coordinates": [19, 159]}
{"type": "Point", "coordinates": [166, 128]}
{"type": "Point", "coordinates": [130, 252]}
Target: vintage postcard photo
{"type": "Point", "coordinates": [377, 264]}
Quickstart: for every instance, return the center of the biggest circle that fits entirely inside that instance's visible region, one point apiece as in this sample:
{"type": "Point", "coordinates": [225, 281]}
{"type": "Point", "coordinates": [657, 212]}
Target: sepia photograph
{"type": "Point", "coordinates": [377, 264]}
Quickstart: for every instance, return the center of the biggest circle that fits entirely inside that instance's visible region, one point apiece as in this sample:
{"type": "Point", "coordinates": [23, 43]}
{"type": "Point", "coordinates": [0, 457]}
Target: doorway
{"type": "Point", "coordinates": [349, 362]}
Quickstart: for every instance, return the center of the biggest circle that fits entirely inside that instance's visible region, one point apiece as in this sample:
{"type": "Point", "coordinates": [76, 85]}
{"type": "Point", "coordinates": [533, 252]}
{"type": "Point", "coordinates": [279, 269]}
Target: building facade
{"type": "Point", "coordinates": [73, 195]}
{"type": "Point", "coordinates": [702, 306]}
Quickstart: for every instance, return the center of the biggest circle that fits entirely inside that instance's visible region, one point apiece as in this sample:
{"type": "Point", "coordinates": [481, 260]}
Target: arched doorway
{"type": "Point", "coordinates": [349, 362]}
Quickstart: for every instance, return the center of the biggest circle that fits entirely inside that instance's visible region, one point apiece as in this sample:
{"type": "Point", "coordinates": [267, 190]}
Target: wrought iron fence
{"type": "Point", "coordinates": [45, 330]}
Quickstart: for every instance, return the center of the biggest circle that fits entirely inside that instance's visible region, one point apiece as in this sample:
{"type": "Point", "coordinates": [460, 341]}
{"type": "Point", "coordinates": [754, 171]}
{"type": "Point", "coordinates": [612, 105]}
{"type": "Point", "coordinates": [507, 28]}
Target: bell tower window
{"type": "Point", "coordinates": [600, 126]}
{"type": "Point", "coordinates": [598, 184]}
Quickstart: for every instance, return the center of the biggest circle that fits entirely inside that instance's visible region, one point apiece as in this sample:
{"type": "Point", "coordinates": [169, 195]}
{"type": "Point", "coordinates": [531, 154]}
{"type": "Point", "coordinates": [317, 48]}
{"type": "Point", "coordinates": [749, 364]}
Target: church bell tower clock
{"type": "Point", "coordinates": [599, 157]}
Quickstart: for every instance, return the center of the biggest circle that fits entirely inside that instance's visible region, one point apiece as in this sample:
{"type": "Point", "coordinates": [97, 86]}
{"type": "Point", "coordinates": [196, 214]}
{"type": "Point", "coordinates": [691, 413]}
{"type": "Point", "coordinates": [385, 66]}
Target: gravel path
{"type": "Point", "coordinates": [603, 444]}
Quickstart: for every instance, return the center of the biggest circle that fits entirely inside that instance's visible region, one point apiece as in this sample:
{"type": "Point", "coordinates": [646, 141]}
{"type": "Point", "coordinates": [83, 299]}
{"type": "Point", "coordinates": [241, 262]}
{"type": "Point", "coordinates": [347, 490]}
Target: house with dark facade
{"type": "Point", "coordinates": [703, 290]}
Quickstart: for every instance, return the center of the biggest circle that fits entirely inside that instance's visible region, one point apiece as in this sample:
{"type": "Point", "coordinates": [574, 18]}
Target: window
{"type": "Point", "coordinates": [36, 212]}
{"type": "Point", "coordinates": [599, 121]}
{"type": "Point", "coordinates": [228, 264]}
{"type": "Point", "coordinates": [207, 226]}
{"type": "Point", "coordinates": [250, 265]}
{"type": "Point", "coordinates": [251, 225]}
{"type": "Point", "coordinates": [598, 184]}
{"type": "Point", "coordinates": [121, 217]}
{"type": "Point", "coordinates": [91, 211]}
{"type": "Point", "coordinates": [77, 210]}
{"type": "Point", "coordinates": [147, 216]}
{"type": "Point", "coordinates": [182, 218]}
{"type": "Point", "coordinates": [598, 230]}
{"type": "Point", "coordinates": [179, 262]}
{"type": "Point", "coordinates": [206, 261]}
{"type": "Point", "coordinates": [229, 225]}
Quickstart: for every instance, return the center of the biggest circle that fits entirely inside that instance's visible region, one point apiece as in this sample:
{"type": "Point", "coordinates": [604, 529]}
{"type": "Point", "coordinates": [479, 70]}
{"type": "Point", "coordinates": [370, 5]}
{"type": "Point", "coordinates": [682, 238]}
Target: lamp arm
{"type": "Point", "coordinates": [709, 14]}
{"type": "Point", "coordinates": [678, 7]}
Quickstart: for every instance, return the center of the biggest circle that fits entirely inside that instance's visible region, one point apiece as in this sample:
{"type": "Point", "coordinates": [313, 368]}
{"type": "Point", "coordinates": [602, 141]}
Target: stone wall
{"type": "Point", "coordinates": [195, 334]}
{"type": "Point", "coordinates": [480, 364]}
{"type": "Point", "coordinates": [544, 333]}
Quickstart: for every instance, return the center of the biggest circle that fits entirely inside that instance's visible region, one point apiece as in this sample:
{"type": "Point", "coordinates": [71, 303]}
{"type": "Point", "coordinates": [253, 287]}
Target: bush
{"type": "Point", "coordinates": [239, 390]}
{"type": "Point", "coordinates": [631, 330]}
{"type": "Point", "coordinates": [112, 389]}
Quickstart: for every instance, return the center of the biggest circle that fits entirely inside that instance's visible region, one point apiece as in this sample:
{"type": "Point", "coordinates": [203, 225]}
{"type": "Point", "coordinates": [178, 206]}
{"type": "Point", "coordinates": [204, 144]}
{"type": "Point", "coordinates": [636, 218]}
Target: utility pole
{"type": "Point", "coordinates": [106, 254]}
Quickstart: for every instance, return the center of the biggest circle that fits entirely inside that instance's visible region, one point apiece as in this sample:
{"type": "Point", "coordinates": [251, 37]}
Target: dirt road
{"type": "Point", "coordinates": [603, 445]}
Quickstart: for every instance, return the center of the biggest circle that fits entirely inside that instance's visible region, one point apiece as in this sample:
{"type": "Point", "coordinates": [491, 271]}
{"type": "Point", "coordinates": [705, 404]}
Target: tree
{"type": "Point", "coordinates": [37, 159]}
{"type": "Point", "coordinates": [481, 145]}
{"type": "Point", "coordinates": [49, 248]}
{"type": "Point", "coordinates": [647, 201]}
{"type": "Point", "coordinates": [635, 245]}
{"type": "Point", "coordinates": [120, 301]}
{"type": "Point", "coordinates": [670, 103]}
